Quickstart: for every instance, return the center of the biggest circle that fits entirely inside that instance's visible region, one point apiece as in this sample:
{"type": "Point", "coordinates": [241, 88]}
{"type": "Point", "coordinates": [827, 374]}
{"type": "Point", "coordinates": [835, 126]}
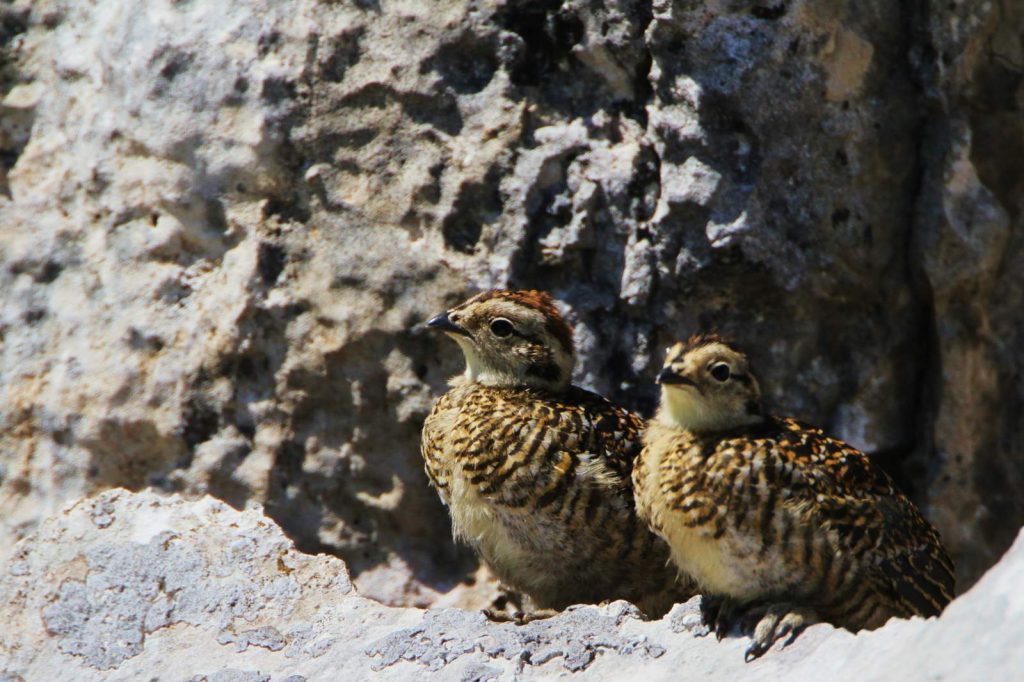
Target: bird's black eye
{"type": "Point", "coordinates": [721, 371]}
{"type": "Point", "coordinates": [501, 327]}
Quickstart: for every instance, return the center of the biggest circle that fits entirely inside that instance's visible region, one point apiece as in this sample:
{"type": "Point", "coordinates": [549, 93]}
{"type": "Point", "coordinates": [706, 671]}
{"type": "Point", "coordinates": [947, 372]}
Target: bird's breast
{"type": "Point", "coordinates": [508, 542]}
{"type": "Point", "coordinates": [714, 562]}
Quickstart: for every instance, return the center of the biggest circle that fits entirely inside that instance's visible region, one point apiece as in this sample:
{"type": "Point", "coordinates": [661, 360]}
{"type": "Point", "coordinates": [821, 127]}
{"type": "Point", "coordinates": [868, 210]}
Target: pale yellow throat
{"type": "Point", "coordinates": [479, 372]}
{"type": "Point", "coordinates": [684, 407]}
{"type": "Point", "coordinates": [490, 374]}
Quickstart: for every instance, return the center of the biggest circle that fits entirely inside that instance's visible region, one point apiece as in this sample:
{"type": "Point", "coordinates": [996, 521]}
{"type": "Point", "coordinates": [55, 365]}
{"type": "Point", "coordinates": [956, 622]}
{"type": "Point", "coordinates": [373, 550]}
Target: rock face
{"type": "Point", "coordinates": [220, 224]}
{"type": "Point", "coordinates": [148, 586]}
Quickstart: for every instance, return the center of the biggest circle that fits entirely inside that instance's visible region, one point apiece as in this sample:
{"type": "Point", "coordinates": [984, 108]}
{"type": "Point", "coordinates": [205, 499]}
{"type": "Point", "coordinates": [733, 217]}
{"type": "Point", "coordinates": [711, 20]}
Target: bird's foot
{"type": "Point", "coordinates": [719, 613]}
{"type": "Point", "coordinates": [775, 622]}
{"type": "Point", "coordinates": [518, 617]}
{"type": "Point", "coordinates": [522, 618]}
{"type": "Point", "coordinates": [497, 616]}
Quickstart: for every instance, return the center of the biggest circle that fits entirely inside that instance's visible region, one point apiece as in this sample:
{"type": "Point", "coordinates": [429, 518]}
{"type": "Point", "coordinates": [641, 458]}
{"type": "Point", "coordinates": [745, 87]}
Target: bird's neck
{"type": "Point", "coordinates": [685, 408]}
{"type": "Point", "coordinates": [508, 376]}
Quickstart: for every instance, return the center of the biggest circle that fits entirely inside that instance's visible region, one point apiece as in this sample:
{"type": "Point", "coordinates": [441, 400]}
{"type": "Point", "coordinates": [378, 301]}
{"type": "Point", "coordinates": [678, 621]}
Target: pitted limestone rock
{"type": "Point", "coordinates": [193, 589]}
{"type": "Point", "coordinates": [220, 224]}
{"type": "Point", "coordinates": [575, 637]}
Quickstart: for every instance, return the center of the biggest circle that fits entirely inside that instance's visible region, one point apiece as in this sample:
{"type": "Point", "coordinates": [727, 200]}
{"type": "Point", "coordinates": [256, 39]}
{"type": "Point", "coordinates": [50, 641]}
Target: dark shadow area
{"type": "Point", "coordinates": [359, 436]}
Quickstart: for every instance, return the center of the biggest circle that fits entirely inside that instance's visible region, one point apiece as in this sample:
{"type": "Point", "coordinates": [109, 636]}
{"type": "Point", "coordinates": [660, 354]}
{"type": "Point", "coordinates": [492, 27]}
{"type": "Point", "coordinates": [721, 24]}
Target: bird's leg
{"type": "Point", "coordinates": [776, 622]}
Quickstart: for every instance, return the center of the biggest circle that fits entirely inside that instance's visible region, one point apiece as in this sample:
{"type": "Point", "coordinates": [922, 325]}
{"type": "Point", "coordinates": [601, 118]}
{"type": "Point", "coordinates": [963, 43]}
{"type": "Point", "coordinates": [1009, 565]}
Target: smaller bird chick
{"type": "Point", "coordinates": [779, 524]}
{"type": "Point", "coordinates": [535, 471]}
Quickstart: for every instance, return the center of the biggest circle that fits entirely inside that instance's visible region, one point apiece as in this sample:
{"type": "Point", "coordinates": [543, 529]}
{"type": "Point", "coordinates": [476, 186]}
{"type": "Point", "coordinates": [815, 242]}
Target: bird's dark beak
{"type": "Point", "coordinates": [443, 323]}
{"type": "Point", "coordinates": [668, 377]}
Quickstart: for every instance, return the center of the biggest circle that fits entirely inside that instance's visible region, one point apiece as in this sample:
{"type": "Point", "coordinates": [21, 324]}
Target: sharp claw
{"type": "Point", "coordinates": [721, 627]}
{"type": "Point", "coordinates": [722, 623]}
{"type": "Point", "coordinates": [754, 651]}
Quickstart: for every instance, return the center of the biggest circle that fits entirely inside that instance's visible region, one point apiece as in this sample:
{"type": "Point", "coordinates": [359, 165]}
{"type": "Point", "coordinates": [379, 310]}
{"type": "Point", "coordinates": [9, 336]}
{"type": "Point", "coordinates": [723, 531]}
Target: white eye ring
{"type": "Point", "coordinates": [501, 327]}
{"type": "Point", "coordinates": [721, 371]}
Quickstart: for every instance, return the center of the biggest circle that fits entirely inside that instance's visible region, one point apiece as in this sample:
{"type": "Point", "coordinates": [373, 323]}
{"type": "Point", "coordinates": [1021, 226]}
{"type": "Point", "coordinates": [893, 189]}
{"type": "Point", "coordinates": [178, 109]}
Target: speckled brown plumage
{"type": "Point", "coordinates": [537, 476]}
{"type": "Point", "coordinates": [774, 511]}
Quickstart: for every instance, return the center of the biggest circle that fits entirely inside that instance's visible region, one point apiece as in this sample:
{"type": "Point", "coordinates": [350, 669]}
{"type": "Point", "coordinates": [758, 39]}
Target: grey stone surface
{"type": "Point", "coordinates": [175, 589]}
{"type": "Point", "coordinates": [221, 222]}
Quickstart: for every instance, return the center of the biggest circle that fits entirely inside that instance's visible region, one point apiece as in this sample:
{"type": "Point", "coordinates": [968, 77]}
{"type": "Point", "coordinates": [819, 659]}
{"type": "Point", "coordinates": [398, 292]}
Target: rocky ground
{"type": "Point", "coordinates": [146, 586]}
{"type": "Point", "coordinates": [222, 223]}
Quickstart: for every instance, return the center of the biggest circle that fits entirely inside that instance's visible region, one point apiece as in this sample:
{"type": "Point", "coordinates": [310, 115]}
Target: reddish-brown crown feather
{"type": "Point", "coordinates": [540, 301]}
{"type": "Point", "coordinates": [700, 340]}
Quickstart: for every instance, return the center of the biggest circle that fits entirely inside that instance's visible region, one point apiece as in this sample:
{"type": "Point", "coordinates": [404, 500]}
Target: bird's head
{"type": "Point", "coordinates": [512, 338]}
{"type": "Point", "coordinates": [706, 385]}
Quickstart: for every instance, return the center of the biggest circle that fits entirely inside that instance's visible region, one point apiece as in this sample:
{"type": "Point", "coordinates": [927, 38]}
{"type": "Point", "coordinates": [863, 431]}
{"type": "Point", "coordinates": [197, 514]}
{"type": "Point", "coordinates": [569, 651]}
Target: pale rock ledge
{"type": "Point", "coordinates": [145, 586]}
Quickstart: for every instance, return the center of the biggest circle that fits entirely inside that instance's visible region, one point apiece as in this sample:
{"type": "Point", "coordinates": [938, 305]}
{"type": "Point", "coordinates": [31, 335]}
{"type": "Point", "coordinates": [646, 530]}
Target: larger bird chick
{"type": "Point", "coordinates": [777, 522]}
{"type": "Point", "coordinates": [535, 471]}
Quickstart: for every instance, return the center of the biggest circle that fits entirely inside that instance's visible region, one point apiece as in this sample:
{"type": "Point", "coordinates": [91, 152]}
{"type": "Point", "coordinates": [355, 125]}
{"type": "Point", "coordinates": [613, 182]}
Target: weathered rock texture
{"type": "Point", "coordinates": [220, 223]}
{"type": "Point", "coordinates": [130, 586]}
